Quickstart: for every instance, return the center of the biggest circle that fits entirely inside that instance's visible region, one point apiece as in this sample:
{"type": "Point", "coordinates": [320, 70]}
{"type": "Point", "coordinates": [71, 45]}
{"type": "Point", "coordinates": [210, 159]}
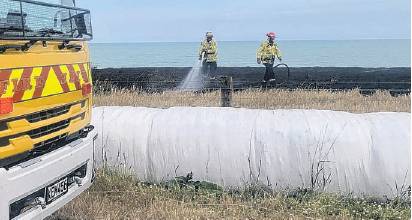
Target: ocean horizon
{"type": "Point", "coordinates": [371, 53]}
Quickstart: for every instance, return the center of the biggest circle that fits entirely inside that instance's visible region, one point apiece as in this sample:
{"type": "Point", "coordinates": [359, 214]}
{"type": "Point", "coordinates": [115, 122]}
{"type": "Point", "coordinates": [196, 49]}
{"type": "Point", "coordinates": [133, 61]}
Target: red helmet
{"type": "Point", "coordinates": [271, 34]}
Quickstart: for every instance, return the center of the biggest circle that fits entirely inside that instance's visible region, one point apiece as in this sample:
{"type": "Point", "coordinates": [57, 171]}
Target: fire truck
{"type": "Point", "coordinates": [46, 139]}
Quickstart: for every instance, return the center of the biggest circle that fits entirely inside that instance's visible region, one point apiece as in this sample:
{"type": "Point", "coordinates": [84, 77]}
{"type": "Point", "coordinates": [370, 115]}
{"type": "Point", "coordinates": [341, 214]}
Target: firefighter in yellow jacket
{"type": "Point", "coordinates": [267, 53]}
{"type": "Point", "coordinates": [208, 55]}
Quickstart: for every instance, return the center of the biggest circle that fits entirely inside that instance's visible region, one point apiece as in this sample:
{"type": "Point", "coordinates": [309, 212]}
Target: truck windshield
{"type": "Point", "coordinates": [35, 20]}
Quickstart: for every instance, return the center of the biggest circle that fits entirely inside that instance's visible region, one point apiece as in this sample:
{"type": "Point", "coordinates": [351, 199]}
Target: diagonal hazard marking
{"type": "Point", "coordinates": [62, 78]}
{"type": "Point", "coordinates": [23, 84]}
{"type": "Point", "coordinates": [4, 81]}
{"type": "Point", "coordinates": [74, 77]}
{"type": "Point", "coordinates": [83, 72]}
{"type": "Point", "coordinates": [41, 82]}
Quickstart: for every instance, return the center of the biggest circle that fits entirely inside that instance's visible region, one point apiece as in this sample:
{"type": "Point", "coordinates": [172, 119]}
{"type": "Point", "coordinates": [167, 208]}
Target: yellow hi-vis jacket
{"type": "Point", "coordinates": [268, 53]}
{"type": "Point", "coordinates": [209, 49]}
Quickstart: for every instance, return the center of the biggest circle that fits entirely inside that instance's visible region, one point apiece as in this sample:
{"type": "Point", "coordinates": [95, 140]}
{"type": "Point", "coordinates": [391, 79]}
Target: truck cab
{"type": "Point", "coordinates": [46, 139]}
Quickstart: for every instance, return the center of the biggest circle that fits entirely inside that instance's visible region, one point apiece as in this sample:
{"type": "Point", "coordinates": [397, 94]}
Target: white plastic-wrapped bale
{"type": "Point", "coordinates": [364, 154]}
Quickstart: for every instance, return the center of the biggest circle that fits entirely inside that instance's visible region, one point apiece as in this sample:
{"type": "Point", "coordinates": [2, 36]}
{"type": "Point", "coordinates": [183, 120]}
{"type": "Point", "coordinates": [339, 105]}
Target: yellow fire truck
{"type": "Point", "coordinates": [46, 140]}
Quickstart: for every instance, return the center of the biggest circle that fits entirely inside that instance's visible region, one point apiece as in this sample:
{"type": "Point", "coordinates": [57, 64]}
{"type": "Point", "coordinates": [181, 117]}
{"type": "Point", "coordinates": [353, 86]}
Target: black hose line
{"type": "Point", "coordinates": [287, 67]}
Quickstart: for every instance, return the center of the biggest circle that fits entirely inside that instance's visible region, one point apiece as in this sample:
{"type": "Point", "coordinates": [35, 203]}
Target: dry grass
{"type": "Point", "coordinates": [351, 101]}
{"type": "Point", "coordinates": [114, 196]}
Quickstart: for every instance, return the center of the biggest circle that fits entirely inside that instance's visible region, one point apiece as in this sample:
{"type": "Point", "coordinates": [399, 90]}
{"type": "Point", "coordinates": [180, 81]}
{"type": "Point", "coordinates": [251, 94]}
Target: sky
{"type": "Point", "coordinates": [246, 20]}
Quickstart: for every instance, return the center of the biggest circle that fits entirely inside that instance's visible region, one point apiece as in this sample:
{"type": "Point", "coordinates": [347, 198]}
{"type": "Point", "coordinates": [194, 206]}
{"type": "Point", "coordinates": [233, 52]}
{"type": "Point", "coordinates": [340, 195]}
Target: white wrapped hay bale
{"type": "Point", "coordinates": [335, 151]}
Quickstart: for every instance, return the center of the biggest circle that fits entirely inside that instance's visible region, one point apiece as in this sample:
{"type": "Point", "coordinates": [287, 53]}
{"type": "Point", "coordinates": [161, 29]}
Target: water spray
{"type": "Point", "coordinates": [194, 80]}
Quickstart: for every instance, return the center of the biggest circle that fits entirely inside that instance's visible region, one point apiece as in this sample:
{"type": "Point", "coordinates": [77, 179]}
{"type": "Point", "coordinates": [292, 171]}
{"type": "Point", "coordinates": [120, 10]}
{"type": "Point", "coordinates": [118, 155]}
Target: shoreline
{"type": "Point", "coordinates": [397, 80]}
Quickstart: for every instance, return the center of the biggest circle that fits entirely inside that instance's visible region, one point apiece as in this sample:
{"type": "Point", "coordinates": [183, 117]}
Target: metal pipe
{"type": "Point", "coordinates": [51, 5]}
{"type": "Point", "coordinates": [22, 19]}
{"type": "Point", "coordinates": [44, 38]}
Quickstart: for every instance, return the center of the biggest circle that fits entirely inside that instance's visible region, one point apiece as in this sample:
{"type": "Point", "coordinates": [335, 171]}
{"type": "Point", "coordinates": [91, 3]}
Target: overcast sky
{"type": "Point", "coordinates": [237, 20]}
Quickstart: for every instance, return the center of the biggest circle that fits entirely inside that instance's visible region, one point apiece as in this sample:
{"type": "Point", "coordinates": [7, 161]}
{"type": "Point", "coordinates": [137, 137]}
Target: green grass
{"type": "Point", "coordinates": [116, 196]}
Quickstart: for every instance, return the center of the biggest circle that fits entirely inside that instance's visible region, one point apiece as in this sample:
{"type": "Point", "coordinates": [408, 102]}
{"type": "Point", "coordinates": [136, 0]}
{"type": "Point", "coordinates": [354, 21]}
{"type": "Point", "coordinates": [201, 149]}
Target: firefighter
{"type": "Point", "coordinates": [208, 52]}
{"type": "Point", "coordinates": [266, 54]}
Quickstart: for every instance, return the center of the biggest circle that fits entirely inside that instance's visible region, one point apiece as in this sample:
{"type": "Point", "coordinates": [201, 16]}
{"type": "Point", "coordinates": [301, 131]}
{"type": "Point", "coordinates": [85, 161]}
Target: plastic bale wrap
{"type": "Point", "coordinates": [364, 154]}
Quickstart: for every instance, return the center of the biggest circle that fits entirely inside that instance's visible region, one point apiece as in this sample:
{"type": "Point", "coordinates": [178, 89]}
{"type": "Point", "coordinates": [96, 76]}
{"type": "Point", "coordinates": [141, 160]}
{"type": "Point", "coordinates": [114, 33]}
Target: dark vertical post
{"type": "Point", "coordinates": [71, 23]}
{"type": "Point", "coordinates": [226, 91]}
{"type": "Point", "coordinates": [22, 19]}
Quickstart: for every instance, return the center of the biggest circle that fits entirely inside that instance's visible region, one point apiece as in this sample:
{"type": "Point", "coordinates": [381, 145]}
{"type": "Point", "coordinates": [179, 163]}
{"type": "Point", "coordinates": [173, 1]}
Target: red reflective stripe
{"type": "Point", "coordinates": [83, 72]}
{"type": "Point", "coordinates": [62, 78]}
{"type": "Point", "coordinates": [23, 85]}
{"type": "Point", "coordinates": [87, 89]}
{"type": "Point", "coordinates": [74, 77]}
{"type": "Point", "coordinates": [41, 82]}
{"type": "Point", "coordinates": [6, 105]}
{"type": "Point", "coordinates": [4, 80]}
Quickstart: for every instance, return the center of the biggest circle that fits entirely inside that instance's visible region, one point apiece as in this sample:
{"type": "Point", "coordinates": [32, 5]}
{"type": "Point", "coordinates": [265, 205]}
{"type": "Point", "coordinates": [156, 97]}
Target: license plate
{"type": "Point", "coordinates": [56, 190]}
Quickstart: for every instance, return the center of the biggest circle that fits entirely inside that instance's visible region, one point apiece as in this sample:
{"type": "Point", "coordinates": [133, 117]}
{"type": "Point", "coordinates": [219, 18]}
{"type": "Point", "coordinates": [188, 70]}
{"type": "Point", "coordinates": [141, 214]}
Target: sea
{"type": "Point", "coordinates": [296, 53]}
